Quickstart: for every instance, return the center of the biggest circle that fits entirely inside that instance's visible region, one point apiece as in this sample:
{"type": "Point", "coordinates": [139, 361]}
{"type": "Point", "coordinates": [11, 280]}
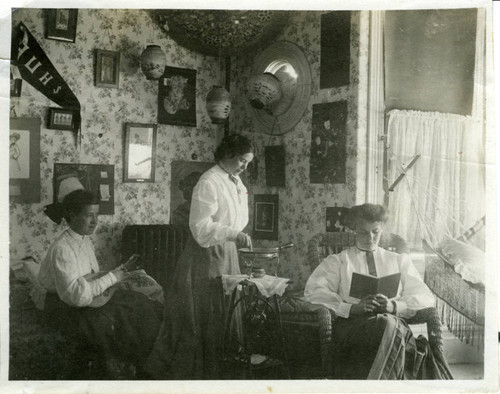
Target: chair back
{"type": "Point", "coordinates": [324, 244]}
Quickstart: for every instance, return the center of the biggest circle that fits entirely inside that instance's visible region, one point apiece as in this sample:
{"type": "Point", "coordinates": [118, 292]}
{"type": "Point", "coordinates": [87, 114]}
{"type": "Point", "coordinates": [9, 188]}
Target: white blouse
{"type": "Point", "coordinates": [70, 257]}
{"type": "Point", "coordinates": [219, 208]}
{"type": "Point", "coordinates": [330, 282]}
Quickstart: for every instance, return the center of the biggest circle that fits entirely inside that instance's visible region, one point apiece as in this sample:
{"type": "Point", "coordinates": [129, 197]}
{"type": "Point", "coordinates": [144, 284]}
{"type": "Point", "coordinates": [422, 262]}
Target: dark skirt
{"type": "Point", "coordinates": [383, 347]}
{"type": "Point", "coordinates": [125, 328]}
{"type": "Point", "coordinates": [189, 345]}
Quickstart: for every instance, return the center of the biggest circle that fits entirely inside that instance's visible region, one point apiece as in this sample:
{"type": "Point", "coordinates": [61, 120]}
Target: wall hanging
{"type": "Point", "coordinates": [24, 160]}
{"type": "Point", "coordinates": [61, 24]}
{"type": "Point", "coordinates": [335, 61]}
{"type": "Point", "coordinates": [265, 216]}
{"type": "Point", "coordinates": [16, 82]}
{"type": "Point", "coordinates": [97, 178]}
{"type": "Point", "coordinates": [107, 70]}
{"type": "Point", "coordinates": [185, 175]}
{"type": "Point", "coordinates": [335, 219]}
{"type": "Point", "coordinates": [287, 62]}
{"type": "Point", "coordinates": [153, 62]}
{"type": "Point", "coordinates": [36, 69]}
{"type": "Point", "coordinates": [177, 97]}
{"type": "Point", "coordinates": [139, 154]}
{"type": "Point", "coordinates": [62, 119]}
{"type": "Point", "coordinates": [328, 143]}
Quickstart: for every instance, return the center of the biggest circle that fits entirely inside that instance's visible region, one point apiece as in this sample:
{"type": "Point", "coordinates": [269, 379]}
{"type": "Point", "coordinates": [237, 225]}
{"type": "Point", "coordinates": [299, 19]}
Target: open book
{"type": "Point", "coordinates": [363, 285]}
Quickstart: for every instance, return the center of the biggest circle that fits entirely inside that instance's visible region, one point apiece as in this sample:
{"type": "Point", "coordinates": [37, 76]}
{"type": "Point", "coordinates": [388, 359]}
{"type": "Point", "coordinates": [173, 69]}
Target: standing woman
{"type": "Point", "coordinates": [190, 340]}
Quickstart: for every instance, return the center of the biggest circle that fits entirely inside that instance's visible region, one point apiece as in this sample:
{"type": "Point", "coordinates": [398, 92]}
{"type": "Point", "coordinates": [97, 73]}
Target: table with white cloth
{"type": "Point", "coordinates": [253, 335]}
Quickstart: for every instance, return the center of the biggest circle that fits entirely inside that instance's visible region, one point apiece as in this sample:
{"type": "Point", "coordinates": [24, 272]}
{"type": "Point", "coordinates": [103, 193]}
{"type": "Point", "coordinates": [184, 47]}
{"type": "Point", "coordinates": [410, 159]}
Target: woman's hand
{"type": "Point", "coordinates": [385, 304]}
{"type": "Point", "coordinates": [367, 304]}
{"type": "Point", "coordinates": [243, 241]}
{"type": "Point", "coordinates": [120, 273]}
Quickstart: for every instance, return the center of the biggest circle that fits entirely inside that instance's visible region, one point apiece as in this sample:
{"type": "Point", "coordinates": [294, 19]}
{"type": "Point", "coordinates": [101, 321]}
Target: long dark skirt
{"type": "Point", "coordinates": [383, 347]}
{"type": "Point", "coordinates": [189, 345]}
{"type": "Point", "coordinates": [125, 328]}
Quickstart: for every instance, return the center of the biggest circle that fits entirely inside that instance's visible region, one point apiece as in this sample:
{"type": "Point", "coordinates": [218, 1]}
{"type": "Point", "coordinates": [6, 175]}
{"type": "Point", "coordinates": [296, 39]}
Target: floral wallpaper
{"type": "Point", "coordinates": [302, 205]}
{"type": "Point", "coordinates": [106, 110]}
{"type": "Point", "coordinates": [104, 113]}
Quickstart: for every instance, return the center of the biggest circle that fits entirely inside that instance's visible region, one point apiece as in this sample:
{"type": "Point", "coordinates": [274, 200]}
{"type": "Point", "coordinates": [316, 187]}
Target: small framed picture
{"type": "Point", "coordinates": [107, 70]}
{"type": "Point", "coordinates": [177, 97]}
{"type": "Point", "coordinates": [61, 24]}
{"type": "Point", "coordinates": [139, 156]}
{"type": "Point", "coordinates": [265, 216]}
{"type": "Point", "coordinates": [62, 119]}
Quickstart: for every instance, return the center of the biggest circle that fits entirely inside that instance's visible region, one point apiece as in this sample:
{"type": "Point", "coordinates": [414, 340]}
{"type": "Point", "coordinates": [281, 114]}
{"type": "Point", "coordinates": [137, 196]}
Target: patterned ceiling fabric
{"type": "Point", "coordinates": [228, 31]}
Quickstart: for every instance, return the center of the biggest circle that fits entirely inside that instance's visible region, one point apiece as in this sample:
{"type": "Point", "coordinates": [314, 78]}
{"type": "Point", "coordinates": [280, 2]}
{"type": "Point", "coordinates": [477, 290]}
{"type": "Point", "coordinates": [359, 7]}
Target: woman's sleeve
{"type": "Point", "coordinates": [323, 285]}
{"type": "Point", "coordinates": [72, 289]}
{"type": "Point", "coordinates": [416, 295]}
{"type": "Point", "coordinates": [204, 206]}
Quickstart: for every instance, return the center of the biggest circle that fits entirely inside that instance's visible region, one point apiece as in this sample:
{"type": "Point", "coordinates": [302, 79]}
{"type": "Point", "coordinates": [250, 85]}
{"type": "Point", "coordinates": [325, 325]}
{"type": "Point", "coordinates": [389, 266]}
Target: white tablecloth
{"type": "Point", "coordinates": [268, 285]}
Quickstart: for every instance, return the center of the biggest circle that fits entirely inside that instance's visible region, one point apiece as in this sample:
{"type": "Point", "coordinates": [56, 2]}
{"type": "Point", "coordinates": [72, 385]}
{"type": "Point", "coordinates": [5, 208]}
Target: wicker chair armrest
{"type": "Point", "coordinates": [434, 331]}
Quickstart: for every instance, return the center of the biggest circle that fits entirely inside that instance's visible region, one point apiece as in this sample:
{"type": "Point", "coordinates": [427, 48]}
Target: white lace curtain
{"type": "Point", "coordinates": [444, 192]}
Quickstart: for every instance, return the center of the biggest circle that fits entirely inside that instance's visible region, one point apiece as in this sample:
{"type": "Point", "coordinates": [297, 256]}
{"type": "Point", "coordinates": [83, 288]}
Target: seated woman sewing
{"type": "Point", "coordinates": [370, 338]}
{"type": "Point", "coordinates": [124, 328]}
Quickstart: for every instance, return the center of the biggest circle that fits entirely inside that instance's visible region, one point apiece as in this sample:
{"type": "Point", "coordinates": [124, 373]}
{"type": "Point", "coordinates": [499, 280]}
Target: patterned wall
{"type": "Point", "coordinates": [303, 205]}
{"type": "Point", "coordinates": [106, 110]}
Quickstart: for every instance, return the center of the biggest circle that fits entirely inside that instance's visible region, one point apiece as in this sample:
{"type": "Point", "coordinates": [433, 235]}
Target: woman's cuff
{"type": "Point", "coordinates": [394, 307]}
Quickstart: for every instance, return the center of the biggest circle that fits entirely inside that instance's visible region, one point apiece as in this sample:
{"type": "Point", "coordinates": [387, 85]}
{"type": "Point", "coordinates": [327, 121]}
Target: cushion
{"type": "Point", "coordinates": [467, 260]}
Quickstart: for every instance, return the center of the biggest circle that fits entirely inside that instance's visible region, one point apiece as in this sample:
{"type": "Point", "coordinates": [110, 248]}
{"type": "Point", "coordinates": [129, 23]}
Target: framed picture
{"type": "Point", "coordinates": [335, 219]}
{"type": "Point", "coordinates": [62, 119]}
{"type": "Point", "coordinates": [139, 155]}
{"type": "Point", "coordinates": [177, 97]}
{"type": "Point", "coordinates": [265, 216]}
{"type": "Point", "coordinates": [107, 70]}
{"type": "Point", "coordinates": [61, 24]}
{"type": "Point", "coordinates": [185, 176]}
{"type": "Point", "coordinates": [24, 160]}
{"type": "Point", "coordinates": [97, 178]}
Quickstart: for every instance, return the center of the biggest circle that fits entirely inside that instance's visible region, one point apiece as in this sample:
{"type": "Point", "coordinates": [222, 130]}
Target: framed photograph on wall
{"type": "Point", "coordinates": [61, 24]}
{"type": "Point", "coordinates": [177, 97]}
{"type": "Point", "coordinates": [335, 219]}
{"type": "Point", "coordinates": [107, 70]}
{"type": "Point", "coordinates": [185, 175]}
{"type": "Point", "coordinates": [62, 119]}
{"type": "Point", "coordinates": [139, 156]}
{"type": "Point", "coordinates": [97, 178]}
{"type": "Point", "coordinates": [24, 160]}
{"type": "Point", "coordinates": [265, 216]}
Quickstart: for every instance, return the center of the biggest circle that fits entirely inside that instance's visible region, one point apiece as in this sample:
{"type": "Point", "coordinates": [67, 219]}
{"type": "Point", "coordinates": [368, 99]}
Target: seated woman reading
{"type": "Point", "coordinates": [123, 329]}
{"type": "Point", "coordinates": [370, 338]}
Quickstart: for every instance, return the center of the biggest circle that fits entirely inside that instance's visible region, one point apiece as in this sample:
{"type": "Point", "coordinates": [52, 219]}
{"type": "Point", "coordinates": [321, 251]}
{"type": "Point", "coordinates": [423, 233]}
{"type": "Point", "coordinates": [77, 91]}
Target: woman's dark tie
{"type": "Point", "coordinates": [372, 270]}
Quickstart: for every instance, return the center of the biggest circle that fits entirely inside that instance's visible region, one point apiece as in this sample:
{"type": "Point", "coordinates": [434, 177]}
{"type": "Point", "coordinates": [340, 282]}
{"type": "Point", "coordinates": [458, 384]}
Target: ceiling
{"type": "Point", "coordinates": [224, 32]}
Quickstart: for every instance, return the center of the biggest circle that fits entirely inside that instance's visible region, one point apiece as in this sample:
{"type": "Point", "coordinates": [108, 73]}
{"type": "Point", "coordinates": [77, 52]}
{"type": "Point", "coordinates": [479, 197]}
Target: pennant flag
{"type": "Point", "coordinates": [36, 69]}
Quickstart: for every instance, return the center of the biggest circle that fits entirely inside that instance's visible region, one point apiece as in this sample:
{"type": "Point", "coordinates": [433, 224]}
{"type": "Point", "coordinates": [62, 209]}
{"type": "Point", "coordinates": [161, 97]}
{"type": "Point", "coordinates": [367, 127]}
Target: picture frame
{"type": "Point", "coordinates": [265, 216]}
{"type": "Point", "coordinates": [185, 175]}
{"type": "Point", "coordinates": [61, 24]}
{"type": "Point", "coordinates": [24, 160]}
{"type": "Point", "coordinates": [107, 70]}
{"type": "Point", "coordinates": [336, 219]}
{"type": "Point", "coordinates": [62, 119]}
{"type": "Point", "coordinates": [177, 97]}
{"type": "Point", "coordinates": [97, 178]}
{"type": "Point", "coordinates": [139, 156]}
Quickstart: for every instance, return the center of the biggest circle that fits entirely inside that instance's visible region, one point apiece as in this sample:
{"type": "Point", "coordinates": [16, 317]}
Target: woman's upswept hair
{"type": "Point", "coordinates": [233, 145]}
{"type": "Point", "coordinates": [366, 212]}
{"type": "Point", "coordinates": [76, 201]}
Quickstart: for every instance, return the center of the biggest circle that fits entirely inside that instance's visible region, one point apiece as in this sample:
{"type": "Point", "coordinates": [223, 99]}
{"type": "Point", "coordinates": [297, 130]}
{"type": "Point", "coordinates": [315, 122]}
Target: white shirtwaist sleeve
{"type": "Point", "coordinates": [323, 285]}
{"type": "Point", "coordinates": [416, 295]}
{"type": "Point", "coordinates": [73, 289]}
{"type": "Point", "coordinates": [204, 205]}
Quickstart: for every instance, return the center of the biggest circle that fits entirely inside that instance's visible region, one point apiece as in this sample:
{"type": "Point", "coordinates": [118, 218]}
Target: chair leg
{"type": "Point", "coordinates": [325, 337]}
